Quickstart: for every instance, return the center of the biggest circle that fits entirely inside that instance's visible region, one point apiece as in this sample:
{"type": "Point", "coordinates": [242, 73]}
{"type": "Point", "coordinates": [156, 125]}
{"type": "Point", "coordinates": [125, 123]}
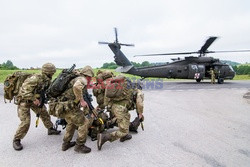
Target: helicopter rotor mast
{"type": "Point", "coordinates": [116, 40]}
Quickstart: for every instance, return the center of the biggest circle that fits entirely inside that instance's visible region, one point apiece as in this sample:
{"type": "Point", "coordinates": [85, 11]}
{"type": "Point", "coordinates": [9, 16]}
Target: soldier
{"type": "Point", "coordinates": [212, 73]}
{"type": "Point", "coordinates": [102, 78]}
{"type": "Point", "coordinates": [138, 100]}
{"type": "Point", "coordinates": [29, 98]}
{"type": "Point", "coordinates": [72, 100]}
{"type": "Point", "coordinates": [120, 105]}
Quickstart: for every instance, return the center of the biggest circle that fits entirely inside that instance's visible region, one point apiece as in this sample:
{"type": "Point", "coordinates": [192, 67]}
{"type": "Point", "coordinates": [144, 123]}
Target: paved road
{"type": "Point", "coordinates": [184, 126]}
{"type": "Point", "coordinates": [190, 85]}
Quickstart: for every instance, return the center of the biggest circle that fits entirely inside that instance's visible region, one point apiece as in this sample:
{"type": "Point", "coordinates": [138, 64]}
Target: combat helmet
{"type": "Point", "coordinates": [48, 69]}
{"type": "Point", "coordinates": [103, 75]}
{"type": "Point", "coordinates": [107, 74]}
{"type": "Point", "coordinates": [88, 71]}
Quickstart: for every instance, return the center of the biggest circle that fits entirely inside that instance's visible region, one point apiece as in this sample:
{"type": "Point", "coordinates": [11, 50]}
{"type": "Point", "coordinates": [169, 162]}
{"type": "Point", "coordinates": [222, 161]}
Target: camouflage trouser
{"type": "Point", "coordinates": [122, 119]}
{"type": "Point", "coordinates": [76, 118]}
{"type": "Point", "coordinates": [24, 115]}
{"type": "Point", "coordinates": [212, 79]}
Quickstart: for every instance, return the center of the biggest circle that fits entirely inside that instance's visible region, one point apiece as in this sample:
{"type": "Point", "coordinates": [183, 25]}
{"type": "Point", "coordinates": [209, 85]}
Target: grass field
{"type": "Point", "coordinates": [4, 73]}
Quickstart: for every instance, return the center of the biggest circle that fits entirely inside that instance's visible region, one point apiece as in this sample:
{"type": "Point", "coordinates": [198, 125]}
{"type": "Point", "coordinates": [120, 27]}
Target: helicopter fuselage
{"type": "Point", "coordinates": [189, 68]}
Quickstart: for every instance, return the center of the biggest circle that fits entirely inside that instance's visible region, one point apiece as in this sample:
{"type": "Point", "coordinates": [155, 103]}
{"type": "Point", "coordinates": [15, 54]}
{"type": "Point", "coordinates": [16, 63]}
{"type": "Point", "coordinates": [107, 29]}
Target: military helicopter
{"type": "Point", "coordinates": [190, 67]}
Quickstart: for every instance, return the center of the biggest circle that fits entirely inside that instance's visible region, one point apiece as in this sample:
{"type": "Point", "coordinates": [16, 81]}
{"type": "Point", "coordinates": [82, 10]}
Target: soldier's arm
{"type": "Point", "coordinates": [78, 87]}
{"type": "Point", "coordinates": [139, 102]}
{"type": "Point", "coordinates": [27, 91]}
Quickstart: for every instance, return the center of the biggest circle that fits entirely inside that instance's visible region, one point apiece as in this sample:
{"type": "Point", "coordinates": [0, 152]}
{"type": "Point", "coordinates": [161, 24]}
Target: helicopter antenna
{"type": "Point", "coordinates": [116, 40]}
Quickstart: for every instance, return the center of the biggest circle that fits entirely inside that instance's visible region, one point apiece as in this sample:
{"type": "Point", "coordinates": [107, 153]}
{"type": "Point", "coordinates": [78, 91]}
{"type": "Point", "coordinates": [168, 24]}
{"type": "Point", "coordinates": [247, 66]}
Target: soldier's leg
{"type": "Point", "coordinates": [123, 120]}
{"type": "Point", "coordinates": [70, 130]}
{"type": "Point", "coordinates": [78, 118]}
{"type": "Point", "coordinates": [24, 115]}
{"type": "Point", "coordinates": [82, 123]}
{"type": "Point", "coordinates": [122, 115]}
{"type": "Point", "coordinates": [45, 117]}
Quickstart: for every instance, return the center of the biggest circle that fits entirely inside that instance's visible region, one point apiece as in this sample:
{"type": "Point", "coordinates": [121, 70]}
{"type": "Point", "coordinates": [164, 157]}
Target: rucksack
{"type": "Point", "coordinates": [60, 84]}
{"type": "Point", "coordinates": [119, 88]}
{"type": "Point", "coordinates": [12, 84]}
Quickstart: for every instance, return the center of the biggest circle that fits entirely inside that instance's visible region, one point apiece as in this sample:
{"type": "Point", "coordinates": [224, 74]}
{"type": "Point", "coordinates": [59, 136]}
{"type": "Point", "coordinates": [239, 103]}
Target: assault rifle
{"type": "Point", "coordinates": [88, 99]}
{"type": "Point", "coordinates": [43, 100]}
{"type": "Point", "coordinates": [70, 69]}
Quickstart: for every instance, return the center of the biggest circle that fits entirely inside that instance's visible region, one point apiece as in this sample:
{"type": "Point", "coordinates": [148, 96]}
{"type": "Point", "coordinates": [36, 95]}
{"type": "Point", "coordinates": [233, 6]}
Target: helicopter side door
{"type": "Point", "coordinates": [196, 71]}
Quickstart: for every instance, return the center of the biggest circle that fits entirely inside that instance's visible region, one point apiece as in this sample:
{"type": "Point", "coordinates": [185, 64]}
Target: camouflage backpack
{"type": "Point", "coordinates": [60, 84]}
{"type": "Point", "coordinates": [12, 84]}
{"type": "Point", "coordinates": [119, 88]}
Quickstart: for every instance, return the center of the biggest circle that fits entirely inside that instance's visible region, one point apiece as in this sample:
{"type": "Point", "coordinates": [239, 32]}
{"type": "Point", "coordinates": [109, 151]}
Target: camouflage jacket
{"type": "Point", "coordinates": [33, 86]}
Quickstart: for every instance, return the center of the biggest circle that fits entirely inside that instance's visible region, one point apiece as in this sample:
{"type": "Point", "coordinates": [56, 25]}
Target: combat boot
{"type": "Point", "coordinates": [17, 145]}
{"type": "Point", "coordinates": [82, 148]}
{"type": "Point", "coordinates": [52, 131]}
{"type": "Point", "coordinates": [134, 125]}
{"type": "Point", "coordinates": [127, 137]}
{"type": "Point", "coordinates": [101, 139]}
{"type": "Point", "coordinates": [67, 145]}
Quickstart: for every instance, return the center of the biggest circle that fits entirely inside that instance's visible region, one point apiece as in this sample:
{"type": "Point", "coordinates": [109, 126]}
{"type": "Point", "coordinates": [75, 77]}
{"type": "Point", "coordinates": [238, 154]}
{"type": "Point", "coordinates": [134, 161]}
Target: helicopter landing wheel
{"type": "Point", "coordinates": [198, 80]}
{"type": "Point", "coordinates": [220, 80]}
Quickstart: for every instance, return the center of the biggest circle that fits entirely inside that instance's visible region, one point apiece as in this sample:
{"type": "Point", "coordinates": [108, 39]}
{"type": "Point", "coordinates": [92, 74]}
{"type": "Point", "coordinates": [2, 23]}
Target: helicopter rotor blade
{"type": "Point", "coordinates": [127, 44]}
{"type": "Point", "coordinates": [207, 44]}
{"type": "Point", "coordinates": [227, 51]}
{"type": "Point", "coordinates": [103, 43]}
{"type": "Point", "coordinates": [165, 54]}
{"type": "Point", "coordinates": [116, 35]}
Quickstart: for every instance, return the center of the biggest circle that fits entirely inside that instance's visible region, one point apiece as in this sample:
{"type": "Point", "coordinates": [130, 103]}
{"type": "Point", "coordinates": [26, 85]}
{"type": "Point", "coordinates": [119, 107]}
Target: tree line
{"type": "Point", "coordinates": [239, 69]}
{"type": "Point", "coordinates": [8, 65]}
{"type": "Point", "coordinates": [242, 69]}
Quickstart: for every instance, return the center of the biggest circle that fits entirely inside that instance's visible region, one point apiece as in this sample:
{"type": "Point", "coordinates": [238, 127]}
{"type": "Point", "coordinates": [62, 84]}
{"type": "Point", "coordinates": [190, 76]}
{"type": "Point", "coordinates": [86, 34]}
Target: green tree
{"type": "Point", "coordinates": [8, 66]}
{"type": "Point", "coordinates": [111, 65]}
{"type": "Point", "coordinates": [145, 64]}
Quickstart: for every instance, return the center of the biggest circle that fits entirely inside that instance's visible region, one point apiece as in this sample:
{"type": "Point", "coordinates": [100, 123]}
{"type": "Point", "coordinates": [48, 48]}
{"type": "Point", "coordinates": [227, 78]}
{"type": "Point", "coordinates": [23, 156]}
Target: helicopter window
{"type": "Point", "coordinates": [194, 67]}
{"type": "Point", "coordinates": [231, 68]}
{"type": "Point", "coordinates": [179, 71]}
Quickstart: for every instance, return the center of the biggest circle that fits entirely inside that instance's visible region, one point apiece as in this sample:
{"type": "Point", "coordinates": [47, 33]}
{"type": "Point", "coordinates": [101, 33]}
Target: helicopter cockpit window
{"type": "Point", "coordinates": [231, 68]}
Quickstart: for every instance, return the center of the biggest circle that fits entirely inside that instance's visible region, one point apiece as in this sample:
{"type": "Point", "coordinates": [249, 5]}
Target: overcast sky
{"type": "Point", "coordinates": [33, 32]}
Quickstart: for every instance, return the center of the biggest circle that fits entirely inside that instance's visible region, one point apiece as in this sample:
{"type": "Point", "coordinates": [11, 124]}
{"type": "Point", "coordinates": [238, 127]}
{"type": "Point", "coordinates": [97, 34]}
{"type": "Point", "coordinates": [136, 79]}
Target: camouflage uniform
{"type": "Point", "coordinates": [120, 111]}
{"type": "Point", "coordinates": [69, 108]}
{"type": "Point", "coordinates": [119, 107]}
{"type": "Point", "coordinates": [139, 106]}
{"type": "Point", "coordinates": [75, 117]}
{"type": "Point", "coordinates": [99, 91]}
{"type": "Point", "coordinates": [212, 73]}
{"type": "Point", "coordinates": [29, 92]}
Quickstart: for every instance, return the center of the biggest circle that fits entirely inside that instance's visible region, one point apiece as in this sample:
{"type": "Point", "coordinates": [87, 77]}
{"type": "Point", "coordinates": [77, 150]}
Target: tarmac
{"type": "Point", "coordinates": [186, 124]}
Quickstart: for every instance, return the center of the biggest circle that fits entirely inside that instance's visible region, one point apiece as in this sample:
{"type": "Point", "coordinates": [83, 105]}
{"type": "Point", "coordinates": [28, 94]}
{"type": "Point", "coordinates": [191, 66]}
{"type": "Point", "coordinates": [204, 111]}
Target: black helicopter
{"type": "Point", "coordinates": [188, 68]}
